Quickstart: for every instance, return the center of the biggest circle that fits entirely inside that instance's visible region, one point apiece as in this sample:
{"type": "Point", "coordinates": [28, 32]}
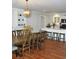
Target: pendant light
{"type": "Point", "coordinates": [27, 10]}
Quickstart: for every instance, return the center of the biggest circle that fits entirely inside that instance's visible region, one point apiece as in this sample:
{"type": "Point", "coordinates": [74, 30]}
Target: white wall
{"type": "Point", "coordinates": [35, 19]}
{"type": "Point", "coordinates": [14, 17]}
{"type": "Point", "coordinates": [50, 16]}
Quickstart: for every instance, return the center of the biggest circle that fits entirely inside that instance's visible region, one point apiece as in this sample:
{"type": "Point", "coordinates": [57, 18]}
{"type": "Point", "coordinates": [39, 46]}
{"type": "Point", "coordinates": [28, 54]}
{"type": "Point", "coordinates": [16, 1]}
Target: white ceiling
{"type": "Point", "coordinates": [42, 5]}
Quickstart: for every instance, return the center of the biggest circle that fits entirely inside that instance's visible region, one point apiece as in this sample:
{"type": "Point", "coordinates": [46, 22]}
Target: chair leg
{"type": "Point", "coordinates": [29, 50]}
{"type": "Point", "coordinates": [23, 52]}
{"type": "Point", "coordinates": [37, 45]}
{"type": "Point", "coordinates": [29, 47]}
{"type": "Point", "coordinates": [33, 45]}
{"type": "Point", "coordinates": [18, 53]}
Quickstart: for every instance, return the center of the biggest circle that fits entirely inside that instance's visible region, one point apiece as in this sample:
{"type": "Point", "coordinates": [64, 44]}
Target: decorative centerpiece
{"type": "Point", "coordinates": [48, 25]}
{"type": "Point", "coordinates": [28, 28]}
{"type": "Point", "coordinates": [54, 25]}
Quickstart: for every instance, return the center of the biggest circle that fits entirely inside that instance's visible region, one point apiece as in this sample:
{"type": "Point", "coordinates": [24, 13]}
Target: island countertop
{"type": "Point", "coordinates": [54, 30]}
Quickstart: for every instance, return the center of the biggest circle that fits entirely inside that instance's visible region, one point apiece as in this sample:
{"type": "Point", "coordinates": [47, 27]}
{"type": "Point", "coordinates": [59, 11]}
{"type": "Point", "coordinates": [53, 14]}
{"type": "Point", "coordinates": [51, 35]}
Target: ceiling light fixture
{"type": "Point", "coordinates": [26, 11]}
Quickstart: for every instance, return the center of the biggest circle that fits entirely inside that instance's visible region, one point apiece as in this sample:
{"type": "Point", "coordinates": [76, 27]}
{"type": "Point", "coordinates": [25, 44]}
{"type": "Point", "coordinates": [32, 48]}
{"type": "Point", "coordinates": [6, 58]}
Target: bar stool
{"type": "Point", "coordinates": [62, 36]}
{"type": "Point", "coordinates": [55, 36]}
{"type": "Point", "coordinates": [49, 35]}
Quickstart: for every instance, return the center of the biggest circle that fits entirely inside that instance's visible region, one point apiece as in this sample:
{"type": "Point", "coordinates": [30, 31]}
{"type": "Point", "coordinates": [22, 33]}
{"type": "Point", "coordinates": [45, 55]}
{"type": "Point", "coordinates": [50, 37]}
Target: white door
{"type": "Point", "coordinates": [43, 21]}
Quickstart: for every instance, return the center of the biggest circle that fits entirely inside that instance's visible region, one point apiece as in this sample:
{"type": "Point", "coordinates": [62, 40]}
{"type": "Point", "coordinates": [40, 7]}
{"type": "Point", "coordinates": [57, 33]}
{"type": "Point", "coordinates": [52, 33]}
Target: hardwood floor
{"type": "Point", "coordinates": [50, 50]}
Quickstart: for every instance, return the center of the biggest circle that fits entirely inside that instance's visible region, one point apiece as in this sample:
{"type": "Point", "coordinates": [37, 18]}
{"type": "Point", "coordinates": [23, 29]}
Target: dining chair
{"type": "Point", "coordinates": [34, 40]}
{"type": "Point", "coordinates": [13, 36]}
{"type": "Point", "coordinates": [39, 40]}
{"type": "Point", "coordinates": [16, 41]}
{"type": "Point", "coordinates": [27, 40]}
{"type": "Point", "coordinates": [38, 43]}
{"type": "Point", "coordinates": [22, 41]}
{"type": "Point", "coordinates": [14, 48]}
{"type": "Point", "coordinates": [42, 36]}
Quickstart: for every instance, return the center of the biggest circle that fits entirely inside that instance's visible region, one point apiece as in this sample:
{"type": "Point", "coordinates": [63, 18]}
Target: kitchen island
{"type": "Point", "coordinates": [59, 34]}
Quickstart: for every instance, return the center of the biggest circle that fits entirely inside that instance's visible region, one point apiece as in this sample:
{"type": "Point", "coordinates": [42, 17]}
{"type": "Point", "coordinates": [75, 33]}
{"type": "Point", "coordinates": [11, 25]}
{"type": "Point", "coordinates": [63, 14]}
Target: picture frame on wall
{"type": "Point", "coordinates": [56, 19]}
{"type": "Point", "coordinates": [18, 19]}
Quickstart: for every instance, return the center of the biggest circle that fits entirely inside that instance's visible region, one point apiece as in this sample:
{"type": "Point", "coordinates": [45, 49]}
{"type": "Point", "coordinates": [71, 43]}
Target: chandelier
{"type": "Point", "coordinates": [26, 11]}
